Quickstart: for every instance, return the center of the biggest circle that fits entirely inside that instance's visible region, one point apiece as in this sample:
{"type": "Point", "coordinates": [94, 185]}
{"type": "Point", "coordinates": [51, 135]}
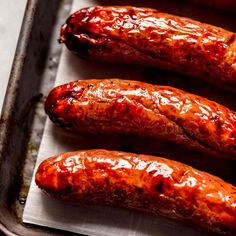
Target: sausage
{"type": "Point", "coordinates": [113, 106]}
{"type": "Point", "coordinates": [149, 37]}
{"type": "Point", "coordinates": [154, 185]}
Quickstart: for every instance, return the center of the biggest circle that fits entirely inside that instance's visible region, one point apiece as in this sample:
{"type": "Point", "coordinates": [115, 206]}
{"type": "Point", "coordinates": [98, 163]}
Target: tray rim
{"type": "Point", "coordinates": [14, 79]}
{"type": "Point", "coordinates": [18, 62]}
{"type": "Point", "coordinates": [10, 224]}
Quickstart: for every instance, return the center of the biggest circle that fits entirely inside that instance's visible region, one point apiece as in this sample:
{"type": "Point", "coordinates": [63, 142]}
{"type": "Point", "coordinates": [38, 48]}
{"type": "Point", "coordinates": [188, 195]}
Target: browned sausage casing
{"type": "Point", "coordinates": [116, 106]}
{"type": "Point", "coordinates": [149, 37]}
{"type": "Point", "coordinates": [151, 184]}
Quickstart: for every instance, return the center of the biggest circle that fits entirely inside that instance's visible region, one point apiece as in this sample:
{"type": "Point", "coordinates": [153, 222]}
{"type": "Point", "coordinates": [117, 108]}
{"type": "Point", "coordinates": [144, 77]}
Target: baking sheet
{"type": "Point", "coordinates": [42, 210]}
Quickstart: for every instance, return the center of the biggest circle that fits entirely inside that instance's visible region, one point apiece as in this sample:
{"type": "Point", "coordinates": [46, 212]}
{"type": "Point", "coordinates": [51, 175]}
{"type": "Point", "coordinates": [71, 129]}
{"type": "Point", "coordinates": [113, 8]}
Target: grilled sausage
{"type": "Point", "coordinates": [149, 37]}
{"type": "Point", "coordinates": [146, 183]}
{"type": "Point", "coordinates": [135, 108]}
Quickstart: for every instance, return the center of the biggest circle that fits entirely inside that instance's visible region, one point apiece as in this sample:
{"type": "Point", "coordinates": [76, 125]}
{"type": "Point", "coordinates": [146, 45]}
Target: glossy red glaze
{"type": "Point", "coordinates": [130, 107]}
{"type": "Point", "coordinates": [151, 184]}
{"type": "Point", "coordinates": [149, 37]}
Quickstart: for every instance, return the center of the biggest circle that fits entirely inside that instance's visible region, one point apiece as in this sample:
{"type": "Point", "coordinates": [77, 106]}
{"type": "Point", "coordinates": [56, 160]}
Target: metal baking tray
{"type": "Point", "coordinates": [33, 75]}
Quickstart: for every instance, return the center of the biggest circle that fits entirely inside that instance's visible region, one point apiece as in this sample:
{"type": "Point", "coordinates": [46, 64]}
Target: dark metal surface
{"type": "Point", "coordinates": [35, 61]}
{"type": "Point", "coordinates": [33, 74]}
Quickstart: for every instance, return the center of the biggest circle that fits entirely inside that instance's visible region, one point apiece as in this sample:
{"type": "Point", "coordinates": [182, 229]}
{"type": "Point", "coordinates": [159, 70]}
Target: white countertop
{"type": "Point", "coordinates": [11, 16]}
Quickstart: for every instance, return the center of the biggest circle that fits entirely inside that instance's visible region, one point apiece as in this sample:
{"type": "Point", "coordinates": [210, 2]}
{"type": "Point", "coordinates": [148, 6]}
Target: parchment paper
{"type": "Point", "coordinates": [42, 210]}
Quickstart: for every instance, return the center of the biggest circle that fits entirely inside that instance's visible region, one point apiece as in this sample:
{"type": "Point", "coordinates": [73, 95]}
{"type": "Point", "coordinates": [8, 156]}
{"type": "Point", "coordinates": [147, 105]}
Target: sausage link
{"type": "Point", "coordinates": [149, 37]}
{"type": "Point", "coordinates": [113, 106]}
{"type": "Point", "coordinates": [151, 184]}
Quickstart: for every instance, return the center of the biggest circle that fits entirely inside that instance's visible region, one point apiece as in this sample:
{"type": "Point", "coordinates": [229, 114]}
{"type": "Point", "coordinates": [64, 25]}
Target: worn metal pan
{"type": "Point", "coordinates": [21, 122]}
{"type": "Point", "coordinates": [32, 76]}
